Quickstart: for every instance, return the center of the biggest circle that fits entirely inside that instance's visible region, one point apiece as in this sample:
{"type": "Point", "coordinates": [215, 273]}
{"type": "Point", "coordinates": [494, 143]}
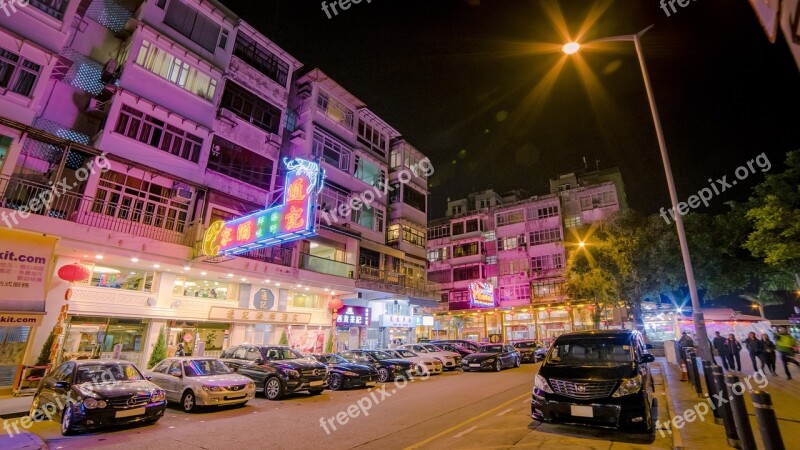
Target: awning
{"type": "Point", "coordinates": [385, 249]}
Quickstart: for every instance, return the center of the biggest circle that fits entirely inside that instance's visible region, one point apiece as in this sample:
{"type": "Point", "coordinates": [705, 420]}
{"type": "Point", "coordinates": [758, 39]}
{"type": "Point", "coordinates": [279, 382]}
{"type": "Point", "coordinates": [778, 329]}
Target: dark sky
{"type": "Point", "coordinates": [458, 79]}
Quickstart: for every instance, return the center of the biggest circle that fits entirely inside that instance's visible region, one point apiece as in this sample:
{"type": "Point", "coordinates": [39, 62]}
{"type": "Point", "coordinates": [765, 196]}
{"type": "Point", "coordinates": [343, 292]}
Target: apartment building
{"type": "Point", "coordinates": [128, 128]}
{"type": "Point", "coordinates": [501, 259]}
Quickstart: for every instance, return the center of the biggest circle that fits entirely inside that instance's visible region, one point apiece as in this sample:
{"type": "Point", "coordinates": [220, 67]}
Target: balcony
{"type": "Point", "coordinates": [16, 193]}
{"type": "Point", "coordinates": [327, 266]}
{"type": "Point", "coordinates": [396, 282]}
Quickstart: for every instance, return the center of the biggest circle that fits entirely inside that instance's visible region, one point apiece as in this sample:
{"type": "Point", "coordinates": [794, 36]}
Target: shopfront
{"type": "Point", "coordinates": [88, 337]}
{"type": "Point", "coordinates": [351, 327]}
{"type": "Point", "coordinates": [214, 337]}
{"type": "Point", "coordinates": [397, 330]}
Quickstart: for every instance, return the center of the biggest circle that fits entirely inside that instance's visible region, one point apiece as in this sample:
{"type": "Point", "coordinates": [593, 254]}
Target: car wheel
{"type": "Point", "coordinates": [67, 427]}
{"type": "Point", "coordinates": [383, 374]}
{"type": "Point", "coordinates": [335, 382]}
{"type": "Point", "coordinates": [315, 391]}
{"type": "Point", "coordinates": [497, 366]}
{"type": "Point", "coordinates": [273, 389]}
{"type": "Point", "coordinates": [188, 402]}
{"type": "Point", "coordinates": [517, 362]}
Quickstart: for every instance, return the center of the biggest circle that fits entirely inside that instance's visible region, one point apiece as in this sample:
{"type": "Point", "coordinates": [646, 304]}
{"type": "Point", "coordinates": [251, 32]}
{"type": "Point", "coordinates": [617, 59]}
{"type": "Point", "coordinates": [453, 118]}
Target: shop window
{"type": "Point", "coordinates": [119, 278]}
{"type": "Point", "coordinates": [298, 300]}
{"type": "Point", "coordinates": [194, 287]}
{"type": "Point", "coordinates": [95, 337]}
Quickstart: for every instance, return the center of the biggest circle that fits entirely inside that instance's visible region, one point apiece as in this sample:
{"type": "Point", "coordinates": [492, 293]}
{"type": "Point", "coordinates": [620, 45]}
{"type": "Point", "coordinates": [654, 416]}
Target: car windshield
{"type": "Point", "coordinates": [204, 367]}
{"type": "Point", "coordinates": [331, 359]}
{"type": "Point", "coordinates": [360, 358]}
{"type": "Point", "coordinates": [607, 352]}
{"type": "Point", "coordinates": [431, 348]}
{"type": "Point", "coordinates": [525, 345]}
{"type": "Point", "coordinates": [380, 356]}
{"type": "Point", "coordinates": [491, 349]}
{"type": "Point", "coordinates": [406, 353]}
{"type": "Point", "coordinates": [278, 354]}
{"type": "Point", "coordinates": [108, 373]}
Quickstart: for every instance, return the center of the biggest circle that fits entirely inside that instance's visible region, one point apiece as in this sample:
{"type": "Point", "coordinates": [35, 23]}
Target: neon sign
{"type": "Point", "coordinates": [293, 219]}
{"type": "Point", "coordinates": [481, 294]}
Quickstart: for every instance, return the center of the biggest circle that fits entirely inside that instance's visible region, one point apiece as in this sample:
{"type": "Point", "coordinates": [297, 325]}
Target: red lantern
{"type": "Point", "coordinates": [74, 272]}
{"type": "Point", "coordinates": [335, 303]}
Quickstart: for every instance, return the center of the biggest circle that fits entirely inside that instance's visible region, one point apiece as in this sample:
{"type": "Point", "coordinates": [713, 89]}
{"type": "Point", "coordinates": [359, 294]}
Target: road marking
{"type": "Point", "coordinates": [526, 401]}
{"type": "Point", "coordinates": [456, 427]}
{"type": "Point", "coordinates": [506, 411]}
{"type": "Point", "coordinates": [472, 428]}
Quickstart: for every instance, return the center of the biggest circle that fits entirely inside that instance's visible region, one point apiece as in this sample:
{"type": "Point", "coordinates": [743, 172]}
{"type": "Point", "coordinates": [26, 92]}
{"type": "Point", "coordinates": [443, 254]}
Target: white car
{"type": "Point", "coordinates": [450, 360]}
{"type": "Point", "coordinates": [424, 364]}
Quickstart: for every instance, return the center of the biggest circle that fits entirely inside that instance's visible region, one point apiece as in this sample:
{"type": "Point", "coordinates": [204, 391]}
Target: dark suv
{"type": "Point", "coordinates": [598, 378]}
{"type": "Point", "coordinates": [277, 370]}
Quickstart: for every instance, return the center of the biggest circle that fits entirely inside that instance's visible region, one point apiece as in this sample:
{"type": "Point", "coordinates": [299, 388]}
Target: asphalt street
{"type": "Point", "coordinates": [455, 409]}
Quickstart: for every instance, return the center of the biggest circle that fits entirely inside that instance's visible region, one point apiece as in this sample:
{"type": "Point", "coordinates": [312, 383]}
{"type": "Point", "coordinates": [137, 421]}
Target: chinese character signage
{"type": "Point", "coordinates": [25, 265]}
{"type": "Point", "coordinates": [391, 321]}
{"type": "Point", "coordinates": [224, 314]}
{"type": "Point", "coordinates": [264, 299]}
{"type": "Point", "coordinates": [352, 316]}
{"type": "Point", "coordinates": [481, 294]}
{"type": "Point", "coordinates": [291, 220]}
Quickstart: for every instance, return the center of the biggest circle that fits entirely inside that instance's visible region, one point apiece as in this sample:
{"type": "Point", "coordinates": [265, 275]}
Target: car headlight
{"type": "Point", "coordinates": [350, 374]}
{"type": "Point", "coordinates": [157, 396]}
{"type": "Point", "coordinates": [92, 403]}
{"type": "Point", "coordinates": [540, 383]}
{"type": "Point", "coordinates": [289, 373]}
{"type": "Point", "coordinates": [629, 386]}
{"type": "Point", "coordinates": [250, 385]}
{"type": "Point", "coordinates": [212, 388]}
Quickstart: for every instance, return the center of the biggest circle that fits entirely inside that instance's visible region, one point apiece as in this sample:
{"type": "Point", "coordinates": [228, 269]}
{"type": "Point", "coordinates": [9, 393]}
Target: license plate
{"type": "Point", "coordinates": [130, 412]}
{"type": "Point", "coordinates": [372, 383]}
{"type": "Point", "coordinates": [316, 383]}
{"type": "Point", "coordinates": [236, 397]}
{"type": "Point", "coordinates": [474, 365]}
{"type": "Point", "coordinates": [581, 411]}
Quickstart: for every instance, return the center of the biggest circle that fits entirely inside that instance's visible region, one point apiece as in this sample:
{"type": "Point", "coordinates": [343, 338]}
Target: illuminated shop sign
{"type": "Point", "coordinates": [391, 321]}
{"type": "Point", "coordinates": [291, 220]}
{"type": "Point", "coordinates": [353, 316]}
{"type": "Point", "coordinates": [481, 294]}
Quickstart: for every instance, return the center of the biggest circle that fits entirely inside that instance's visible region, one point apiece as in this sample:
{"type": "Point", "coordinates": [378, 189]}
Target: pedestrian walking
{"type": "Point", "coordinates": [734, 349]}
{"type": "Point", "coordinates": [180, 351]}
{"type": "Point", "coordinates": [686, 340]}
{"type": "Point", "coordinates": [721, 348]}
{"type": "Point", "coordinates": [769, 352]}
{"type": "Point", "coordinates": [786, 345]}
{"type": "Point", "coordinates": [756, 350]}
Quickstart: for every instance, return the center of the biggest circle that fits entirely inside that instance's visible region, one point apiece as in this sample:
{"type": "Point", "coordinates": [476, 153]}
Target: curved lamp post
{"type": "Point", "coordinates": [570, 48]}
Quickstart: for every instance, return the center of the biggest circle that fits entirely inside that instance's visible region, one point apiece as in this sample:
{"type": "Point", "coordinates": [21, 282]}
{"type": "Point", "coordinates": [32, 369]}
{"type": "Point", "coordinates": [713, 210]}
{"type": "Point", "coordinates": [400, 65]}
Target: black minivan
{"type": "Point", "coordinates": [598, 378]}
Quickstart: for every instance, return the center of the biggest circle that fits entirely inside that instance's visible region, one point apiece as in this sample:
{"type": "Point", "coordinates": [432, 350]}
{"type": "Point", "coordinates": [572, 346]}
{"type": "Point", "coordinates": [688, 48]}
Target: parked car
{"type": "Point", "coordinates": [343, 374]}
{"type": "Point", "coordinates": [388, 367]}
{"type": "Point", "coordinates": [277, 370]}
{"type": "Point", "coordinates": [492, 357]}
{"type": "Point", "coordinates": [527, 350]}
{"type": "Point", "coordinates": [599, 378]}
{"type": "Point", "coordinates": [471, 345]}
{"type": "Point", "coordinates": [198, 381]}
{"type": "Point", "coordinates": [455, 348]}
{"type": "Point", "coordinates": [424, 365]}
{"type": "Point", "coordinates": [93, 393]}
{"type": "Point", "coordinates": [449, 360]}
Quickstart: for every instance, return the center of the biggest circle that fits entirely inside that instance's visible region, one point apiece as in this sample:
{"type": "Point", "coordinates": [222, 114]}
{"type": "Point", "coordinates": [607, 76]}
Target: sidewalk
{"type": "Point", "coordinates": [706, 434]}
{"type": "Point", "coordinates": [14, 406]}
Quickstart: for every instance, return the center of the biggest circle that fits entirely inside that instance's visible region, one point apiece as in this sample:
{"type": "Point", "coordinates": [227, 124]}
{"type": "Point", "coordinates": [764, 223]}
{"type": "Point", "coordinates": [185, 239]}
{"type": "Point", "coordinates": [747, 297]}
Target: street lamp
{"type": "Point", "coordinates": [697, 315]}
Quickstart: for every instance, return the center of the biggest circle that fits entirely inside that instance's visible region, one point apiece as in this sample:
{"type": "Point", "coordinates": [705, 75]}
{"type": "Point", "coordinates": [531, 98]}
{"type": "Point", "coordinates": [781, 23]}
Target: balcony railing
{"type": "Point", "coordinates": [16, 193]}
{"type": "Point", "coordinates": [328, 266]}
{"type": "Point", "coordinates": [373, 278]}
{"type": "Point", "coordinates": [275, 255]}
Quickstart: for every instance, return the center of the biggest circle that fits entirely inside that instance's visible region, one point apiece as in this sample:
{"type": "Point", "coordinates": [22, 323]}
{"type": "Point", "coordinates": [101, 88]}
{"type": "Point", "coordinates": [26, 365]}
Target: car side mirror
{"type": "Point", "coordinates": [176, 373]}
{"type": "Point", "coordinates": [61, 385]}
{"type": "Point", "coordinates": [648, 358]}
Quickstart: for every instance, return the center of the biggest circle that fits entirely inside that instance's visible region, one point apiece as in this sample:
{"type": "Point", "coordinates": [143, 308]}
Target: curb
{"type": "Point", "coordinates": [13, 415]}
{"type": "Point", "coordinates": [677, 438]}
{"type": "Point", "coordinates": [23, 441]}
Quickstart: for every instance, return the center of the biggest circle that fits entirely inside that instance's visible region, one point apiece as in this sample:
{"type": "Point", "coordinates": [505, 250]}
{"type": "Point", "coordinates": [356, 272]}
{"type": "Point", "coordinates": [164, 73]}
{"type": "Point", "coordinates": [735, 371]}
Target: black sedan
{"type": "Point", "coordinates": [527, 350]}
{"type": "Point", "coordinates": [388, 367]}
{"type": "Point", "coordinates": [343, 374]}
{"type": "Point", "coordinates": [94, 393]}
{"type": "Point", "coordinates": [492, 357]}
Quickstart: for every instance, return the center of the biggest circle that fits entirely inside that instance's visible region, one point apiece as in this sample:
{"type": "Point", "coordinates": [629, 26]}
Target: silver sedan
{"type": "Point", "coordinates": [199, 381]}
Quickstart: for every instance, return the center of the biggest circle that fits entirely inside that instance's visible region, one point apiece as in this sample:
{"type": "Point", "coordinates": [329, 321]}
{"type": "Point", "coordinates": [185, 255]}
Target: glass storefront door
{"type": "Point", "coordinates": [13, 341]}
{"type": "Point", "coordinates": [213, 335]}
{"type": "Point", "coordinates": [95, 337]}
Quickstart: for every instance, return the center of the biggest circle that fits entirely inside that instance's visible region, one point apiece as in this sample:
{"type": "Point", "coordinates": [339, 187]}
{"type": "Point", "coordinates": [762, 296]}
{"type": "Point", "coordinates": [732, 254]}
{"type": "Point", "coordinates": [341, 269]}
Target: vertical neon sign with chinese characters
{"type": "Point", "coordinates": [291, 220]}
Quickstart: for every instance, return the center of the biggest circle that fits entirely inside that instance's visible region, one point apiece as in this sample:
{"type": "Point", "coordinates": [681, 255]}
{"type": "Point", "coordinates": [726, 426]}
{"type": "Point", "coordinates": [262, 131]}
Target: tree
{"type": "Point", "coordinates": [284, 339]}
{"type": "Point", "coordinates": [329, 342]}
{"type": "Point", "coordinates": [774, 212]}
{"type": "Point", "coordinates": [44, 355]}
{"type": "Point", "coordinates": [159, 350]}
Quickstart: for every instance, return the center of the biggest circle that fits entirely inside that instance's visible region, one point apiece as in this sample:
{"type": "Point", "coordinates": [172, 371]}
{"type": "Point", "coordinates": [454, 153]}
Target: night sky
{"type": "Point", "coordinates": [458, 78]}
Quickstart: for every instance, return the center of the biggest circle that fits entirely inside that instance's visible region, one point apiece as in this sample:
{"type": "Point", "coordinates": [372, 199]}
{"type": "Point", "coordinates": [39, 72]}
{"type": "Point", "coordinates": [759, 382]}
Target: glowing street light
{"type": "Point", "coordinates": [571, 48]}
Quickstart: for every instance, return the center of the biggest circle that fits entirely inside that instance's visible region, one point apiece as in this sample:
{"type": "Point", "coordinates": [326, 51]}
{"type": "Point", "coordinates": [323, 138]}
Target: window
{"type": "Point", "coordinates": [368, 172]}
{"type": "Point", "coordinates": [396, 159]}
{"type": "Point", "coordinates": [184, 19]}
{"type": "Point", "coordinates": [305, 300]}
{"type": "Point", "coordinates": [439, 254]}
{"type": "Point", "coordinates": [240, 163]}
{"type": "Point", "coordinates": [176, 70]}
{"type": "Point", "coordinates": [472, 225]}
{"type": "Point", "coordinates": [543, 212]}
{"type": "Point", "coordinates": [510, 243]}
{"type": "Point", "coordinates": [548, 289]}
{"type": "Point", "coordinates": [516, 292]}
{"type": "Point", "coordinates": [438, 231]}
{"type": "Point", "coordinates": [598, 200]}
{"type": "Point", "coordinates": [414, 198]}
{"type": "Point", "coordinates": [510, 217]}
{"type": "Point", "coordinates": [261, 59]}
{"type": "Point", "coordinates": [414, 236]}
{"type": "Point", "coordinates": [545, 236]}
{"type": "Point", "coordinates": [251, 108]}
{"type": "Point", "coordinates": [547, 262]}
{"type": "Point", "coordinates": [223, 39]}
{"type": "Point", "coordinates": [331, 150]}
{"type": "Point", "coordinates": [137, 200]}
{"type": "Point", "coordinates": [371, 137]}
{"type": "Point", "coordinates": [469, 249]}
{"type": "Point", "coordinates": [53, 8]}
{"type": "Point", "coordinates": [572, 222]}
{"type": "Point", "coordinates": [393, 234]}
{"type": "Point", "coordinates": [335, 109]}
{"type": "Point", "coordinates": [17, 74]}
{"type": "Point", "coordinates": [215, 290]}
{"type": "Point", "coordinates": [512, 267]}
{"type": "Point", "coordinates": [459, 296]}
{"type": "Point", "coordinates": [466, 273]}
{"type": "Point", "coordinates": [156, 133]}
{"type": "Point", "coordinates": [119, 278]}
{"type": "Point", "coordinates": [369, 258]}
{"type": "Point", "coordinates": [458, 228]}
{"type": "Point", "coordinates": [332, 196]}
{"type": "Point", "coordinates": [368, 217]}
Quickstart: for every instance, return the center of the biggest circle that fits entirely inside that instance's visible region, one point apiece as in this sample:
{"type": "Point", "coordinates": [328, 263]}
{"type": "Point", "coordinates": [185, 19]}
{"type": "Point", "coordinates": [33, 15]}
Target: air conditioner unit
{"type": "Point", "coordinates": [182, 192]}
{"type": "Point", "coordinates": [109, 70]}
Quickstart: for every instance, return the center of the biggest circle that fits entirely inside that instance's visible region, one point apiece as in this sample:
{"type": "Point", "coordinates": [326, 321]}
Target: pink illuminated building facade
{"type": "Point", "coordinates": [155, 119]}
